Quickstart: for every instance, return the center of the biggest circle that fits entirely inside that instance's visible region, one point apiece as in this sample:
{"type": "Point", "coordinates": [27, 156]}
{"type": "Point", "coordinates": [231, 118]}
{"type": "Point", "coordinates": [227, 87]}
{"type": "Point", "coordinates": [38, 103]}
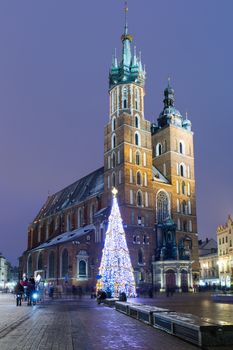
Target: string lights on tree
{"type": "Point", "coordinates": [116, 272]}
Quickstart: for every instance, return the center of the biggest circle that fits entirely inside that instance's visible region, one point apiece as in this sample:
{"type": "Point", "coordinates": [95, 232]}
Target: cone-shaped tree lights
{"type": "Point", "coordinates": [116, 272]}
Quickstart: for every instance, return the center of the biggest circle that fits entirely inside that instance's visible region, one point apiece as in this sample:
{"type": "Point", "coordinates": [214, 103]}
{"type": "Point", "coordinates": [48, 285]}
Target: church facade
{"type": "Point", "coordinates": [152, 166]}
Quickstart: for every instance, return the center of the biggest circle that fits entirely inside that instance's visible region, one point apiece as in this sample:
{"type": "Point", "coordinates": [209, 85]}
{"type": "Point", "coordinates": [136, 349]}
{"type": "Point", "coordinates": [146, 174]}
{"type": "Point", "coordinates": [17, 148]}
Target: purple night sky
{"type": "Point", "coordinates": [54, 62]}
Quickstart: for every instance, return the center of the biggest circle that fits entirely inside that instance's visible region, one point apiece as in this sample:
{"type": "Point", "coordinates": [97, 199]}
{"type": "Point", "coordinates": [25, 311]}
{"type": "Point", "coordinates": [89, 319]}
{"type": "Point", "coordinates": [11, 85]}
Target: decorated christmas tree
{"type": "Point", "coordinates": [116, 272]}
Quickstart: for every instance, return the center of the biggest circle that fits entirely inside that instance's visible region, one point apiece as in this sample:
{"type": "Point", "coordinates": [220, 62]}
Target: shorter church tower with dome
{"type": "Point", "coordinates": [152, 167]}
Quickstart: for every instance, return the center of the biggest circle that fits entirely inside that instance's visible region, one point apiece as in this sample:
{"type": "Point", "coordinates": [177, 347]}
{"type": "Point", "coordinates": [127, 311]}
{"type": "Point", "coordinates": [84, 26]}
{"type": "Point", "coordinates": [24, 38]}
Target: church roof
{"type": "Point", "coordinates": [158, 176]}
{"type": "Point", "coordinates": [88, 186]}
{"type": "Point", "coordinates": [66, 237]}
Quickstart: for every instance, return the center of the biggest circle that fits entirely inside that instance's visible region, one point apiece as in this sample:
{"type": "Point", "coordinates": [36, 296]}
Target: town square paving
{"type": "Point", "coordinates": [82, 324]}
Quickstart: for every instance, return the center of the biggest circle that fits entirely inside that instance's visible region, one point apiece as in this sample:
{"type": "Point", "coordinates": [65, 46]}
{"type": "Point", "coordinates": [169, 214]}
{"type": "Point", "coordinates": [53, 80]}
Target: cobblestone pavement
{"type": "Point", "coordinates": [81, 325]}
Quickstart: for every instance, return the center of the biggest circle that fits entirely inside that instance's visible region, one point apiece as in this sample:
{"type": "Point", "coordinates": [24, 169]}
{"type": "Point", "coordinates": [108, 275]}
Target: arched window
{"type": "Point", "coordinates": [140, 256]}
{"type": "Point", "coordinates": [113, 179]}
{"type": "Point", "coordinates": [51, 264]}
{"type": "Point", "coordinates": [40, 262]}
{"type": "Point", "coordinates": [139, 198]}
{"type": "Point", "coordinates": [138, 158]}
{"type": "Point", "coordinates": [82, 264]}
{"type": "Point", "coordinates": [80, 217]}
{"type": "Point", "coordinates": [158, 149]}
{"type": "Point", "coordinates": [137, 138]}
{"type": "Point", "coordinates": [139, 178]}
{"type": "Point", "coordinates": [64, 263]}
{"type": "Point", "coordinates": [113, 160]}
{"type": "Point", "coordinates": [113, 124]}
{"type": "Point", "coordinates": [163, 206]}
{"type": "Point", "coordinates": [82, 268]}
{"type": "Point", "coordinates": [181, 147]}
{"type": "Point", "coordinates": [182, 170]}
{"type": "Point", "coordinates": [125, 97]}
{"type": "Point", "coordinates": [113, 140]}
{"type": "Point", "coordinates": [183, 187]}
{"type": "Point", "coordinates": [137, 99]}
{"type": "Point", "coordinates": [29, 267]}
{"type": "Point", "coordinates": [137, 122]}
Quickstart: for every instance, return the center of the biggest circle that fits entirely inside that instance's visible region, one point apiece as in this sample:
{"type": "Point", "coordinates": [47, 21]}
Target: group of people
{"type": "Point", "coordinates": [24, 289]}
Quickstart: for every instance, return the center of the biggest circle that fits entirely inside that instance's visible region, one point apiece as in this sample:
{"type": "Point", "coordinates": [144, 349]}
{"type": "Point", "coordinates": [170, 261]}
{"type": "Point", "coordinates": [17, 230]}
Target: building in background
{"type": "Point", "coordinates": [208, 259]}
{"type": "Point", "coordinates": [4, 271]}
{"type": "Point", "coordinates": [225, 253]}
{"type": "Point", "coordinates": [152, 166]}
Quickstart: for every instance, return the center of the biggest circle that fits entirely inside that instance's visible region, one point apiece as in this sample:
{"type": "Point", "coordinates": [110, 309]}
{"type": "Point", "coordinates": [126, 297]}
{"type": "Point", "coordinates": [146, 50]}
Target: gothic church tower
{"type": "Point", "coordinates": [173, 155]}
{"type": "Point", "coordinates": [127, 148]}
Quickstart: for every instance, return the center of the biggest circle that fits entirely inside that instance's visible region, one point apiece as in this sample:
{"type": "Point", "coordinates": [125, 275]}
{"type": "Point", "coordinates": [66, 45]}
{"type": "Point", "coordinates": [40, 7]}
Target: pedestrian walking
{"type": "Point", "coordinates": [19, 290]}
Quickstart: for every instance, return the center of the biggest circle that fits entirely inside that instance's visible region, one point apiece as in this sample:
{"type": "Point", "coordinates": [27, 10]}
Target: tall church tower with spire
{"type": "Point", "coordinates": [127, 149]}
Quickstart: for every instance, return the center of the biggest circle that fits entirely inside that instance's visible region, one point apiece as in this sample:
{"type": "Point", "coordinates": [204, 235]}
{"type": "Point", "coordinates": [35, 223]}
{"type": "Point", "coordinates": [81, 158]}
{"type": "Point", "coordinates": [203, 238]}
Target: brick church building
{"type": "Point", "coordinates": [152, 166]}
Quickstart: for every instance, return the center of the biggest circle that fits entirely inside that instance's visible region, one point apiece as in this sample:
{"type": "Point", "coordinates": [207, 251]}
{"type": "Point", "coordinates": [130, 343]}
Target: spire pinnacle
{"type": "Point", "coordinates": [168, 81]}
{"type": "Point", "coordinates": [126, 35]}
{"type": "Point", "coordinates": [126, 9]}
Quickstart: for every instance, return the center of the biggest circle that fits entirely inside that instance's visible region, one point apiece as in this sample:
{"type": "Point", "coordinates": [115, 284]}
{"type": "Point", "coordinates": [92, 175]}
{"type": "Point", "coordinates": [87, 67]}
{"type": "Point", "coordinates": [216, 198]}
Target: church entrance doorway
{"type": "Point", "coordinates": [170, 280]}
{"type": "Point", "coordinates": [184, 281]}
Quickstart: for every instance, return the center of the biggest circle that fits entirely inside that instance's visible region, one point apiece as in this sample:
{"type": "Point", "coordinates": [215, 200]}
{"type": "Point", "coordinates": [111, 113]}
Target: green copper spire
{"type": "Point", "coordinates": [130, 67]}
{"type": "Point", "coordinates": [170, 115]}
